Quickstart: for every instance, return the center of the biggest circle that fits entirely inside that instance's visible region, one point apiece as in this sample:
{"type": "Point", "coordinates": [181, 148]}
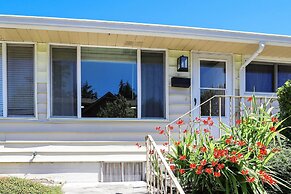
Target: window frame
{"type": "Point", "coordinates": [79, 97]}
{"type": "Point", "coordinates": [4, 81]}
{"type": "Point", "coordinates": [264, 61]}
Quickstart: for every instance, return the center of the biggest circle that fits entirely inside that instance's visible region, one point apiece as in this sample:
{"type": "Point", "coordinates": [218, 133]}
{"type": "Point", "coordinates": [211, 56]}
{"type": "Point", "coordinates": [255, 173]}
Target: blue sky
{"type": "Point", "coordinates": [268, 16]}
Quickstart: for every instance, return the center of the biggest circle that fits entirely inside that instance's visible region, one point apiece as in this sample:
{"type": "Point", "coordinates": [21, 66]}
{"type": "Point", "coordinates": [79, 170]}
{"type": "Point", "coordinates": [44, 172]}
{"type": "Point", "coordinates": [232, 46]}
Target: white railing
{"type": "Point", "coordinates": [215, 107]}
{"type": "Point", "coordinates": [159, 176]}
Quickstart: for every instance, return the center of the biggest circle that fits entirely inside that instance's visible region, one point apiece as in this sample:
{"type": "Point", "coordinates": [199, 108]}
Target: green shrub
{"type": "Point", "coordinates": [13, 185]}
{"type": "Point", "coordinates": [284, 98]}
{"type": "Point", "coordinates": [282, 165]}
{"type": "Point", "coordinates": [233, 164]}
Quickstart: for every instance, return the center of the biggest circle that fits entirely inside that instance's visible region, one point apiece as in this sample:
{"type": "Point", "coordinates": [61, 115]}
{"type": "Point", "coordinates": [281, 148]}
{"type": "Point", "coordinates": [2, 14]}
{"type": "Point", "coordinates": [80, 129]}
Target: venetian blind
{"type": "Point", "coordinates": [1, 90]}
{"type": "Point", "coordinates": [20, 80]}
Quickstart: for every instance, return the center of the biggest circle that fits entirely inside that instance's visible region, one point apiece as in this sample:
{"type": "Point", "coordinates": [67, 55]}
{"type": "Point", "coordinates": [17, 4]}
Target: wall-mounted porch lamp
{"type": "Point", "coordinates": [182, 64]}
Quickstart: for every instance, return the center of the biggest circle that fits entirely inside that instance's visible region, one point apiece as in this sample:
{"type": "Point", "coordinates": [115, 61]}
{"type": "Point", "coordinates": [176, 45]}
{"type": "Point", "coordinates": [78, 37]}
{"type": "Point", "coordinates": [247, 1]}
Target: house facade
{"type": "Point", "coordinates": [76, 95]}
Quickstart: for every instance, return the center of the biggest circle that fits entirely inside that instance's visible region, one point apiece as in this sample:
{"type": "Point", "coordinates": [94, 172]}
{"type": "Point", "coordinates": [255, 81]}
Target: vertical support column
{"type": "Point", "coordinates": [42, 64]}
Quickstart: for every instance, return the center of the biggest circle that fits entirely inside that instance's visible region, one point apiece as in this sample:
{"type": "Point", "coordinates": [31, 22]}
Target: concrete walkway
{"type": "Point", "coordinates": [106, 188]}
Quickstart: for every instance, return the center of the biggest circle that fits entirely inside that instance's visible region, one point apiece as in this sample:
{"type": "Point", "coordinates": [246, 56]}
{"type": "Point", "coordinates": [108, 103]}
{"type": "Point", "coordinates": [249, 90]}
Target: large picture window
{"type": "Point", "coordinates": [266, 77]}
{"type": "Point", "coordinates": [95, 82]}
{"type": "Point", "coordinates": [109, 83]}
{"type": "Point", "coordinates": [20, 80]}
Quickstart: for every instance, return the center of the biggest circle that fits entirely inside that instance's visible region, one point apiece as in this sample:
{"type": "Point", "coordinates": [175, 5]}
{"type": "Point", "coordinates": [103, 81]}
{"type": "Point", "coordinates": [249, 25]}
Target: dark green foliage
{"type": "Point", "coordinates": [282, 165]}
{"type": "Point", "coordinates": [284, 98]}
{"type": "Point", "coordinates": [13, 185]}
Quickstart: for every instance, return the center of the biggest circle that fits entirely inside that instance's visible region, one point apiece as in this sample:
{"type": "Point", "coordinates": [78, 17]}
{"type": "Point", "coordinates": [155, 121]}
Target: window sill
{"type": "Point", "coordinates": [261, 94]}
{"type": "Point", "coordinates": [81, 120]}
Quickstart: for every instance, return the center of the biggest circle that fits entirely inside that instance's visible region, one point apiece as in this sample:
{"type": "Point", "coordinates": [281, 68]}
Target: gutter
{"type": "Point", "coordinates": [258, 51]}
{"type": "Point", "coordinates": [246, 63]}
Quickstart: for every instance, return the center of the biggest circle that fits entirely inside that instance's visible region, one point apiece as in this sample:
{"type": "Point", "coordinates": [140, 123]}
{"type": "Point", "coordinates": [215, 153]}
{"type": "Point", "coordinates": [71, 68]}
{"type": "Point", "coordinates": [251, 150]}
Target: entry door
{"type": "Point", "coordinates": [211, 75]}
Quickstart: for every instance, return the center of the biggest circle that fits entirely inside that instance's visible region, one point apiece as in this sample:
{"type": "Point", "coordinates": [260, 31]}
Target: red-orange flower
{"type": "Point", "coordinates": [182, 171]}
{"type": "Point", "coordinates": [210, 123]}
{"type": "Point", "coordinates": [165, 144]}
{"type": "Point", "coordinates": [205, 122]}
{"type": "Point", "coordinates": [220, 166]}
{"type": "Point", "coordinates": [263, 150]}
{"type": "Point", "coordinates": [217, 174]}
{"type": "Point", "coordinates": [244, 172]}
{"type": "Point", "coordinates": [177, 143]}
{"type": "Point", "coordinates": [203, 162]}
{"type": "Point", "coordinates": [158, 128]}
{"type": "Point", "coordinates": [251, 179]}
{"type": "Point", "coordinates": [151, 152]}
{"type": "Point", "coordinates": [241, 143]}
{"type": "Point", "coordinates": [197, 132]}
{"type": "Point", "coordinates": [214, 163]}
{"type": "Point", "coordinates": [228, 141]}
{"type": "Point", "coordinates": [238, 121]}
{"type": "Point", "coordinates": [203, 149]}
{"type": "Point", "coordinates": [250, 99]}
{"type": "Point", "coordinates": [198, 172]}
{"type": "Point", "coordinates": [170, 127]}
{"type": "Point", "coordinates": [273, 129]}
{"type": "Point", "coordinates": [162, 132]}
{"type": "Point", "coordinates": [185, 131]}
{"type": "Point", "coordinates": [259, 144]}
{"type": "Point", "coordinates": [183, 157]}
{"type": "Point", "coordinates": [192, 166]}
{"type": "Point", "coordinates": [208, 170]}
{"type": "Point", "coordinates": [233, 159]}
{"type": "Point", "coordinates": [180, 122]}
{"type": "Point", "coordinates": [206, 131]}
{"type": "Point", "coordinates": [240, 155]}
{"type": "Point", "coordinates": [274, 119]}
{"type": "Point", "coordinates": [172, 167]}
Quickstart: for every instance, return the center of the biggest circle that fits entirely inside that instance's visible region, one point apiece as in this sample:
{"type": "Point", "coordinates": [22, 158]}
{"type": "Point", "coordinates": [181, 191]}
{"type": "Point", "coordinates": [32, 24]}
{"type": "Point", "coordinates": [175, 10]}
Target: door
{"type": "Point", "coordinates": [212, 75]}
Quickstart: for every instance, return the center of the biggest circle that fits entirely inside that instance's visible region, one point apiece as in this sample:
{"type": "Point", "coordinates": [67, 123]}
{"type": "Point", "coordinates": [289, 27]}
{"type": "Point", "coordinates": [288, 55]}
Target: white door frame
{"type": "Point", "coordinates": [195, 89]}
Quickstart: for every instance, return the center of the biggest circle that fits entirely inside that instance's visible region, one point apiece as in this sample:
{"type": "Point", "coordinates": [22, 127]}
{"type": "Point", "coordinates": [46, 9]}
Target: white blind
{"type": "Point", "coordinates": [1, 79]}
{"type": "Point", "coordinates": [20, 80]}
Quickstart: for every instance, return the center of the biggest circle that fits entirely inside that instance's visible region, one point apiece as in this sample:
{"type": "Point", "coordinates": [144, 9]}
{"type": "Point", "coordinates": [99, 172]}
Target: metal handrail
{"type": "Point", "coordinates": [160, 178]}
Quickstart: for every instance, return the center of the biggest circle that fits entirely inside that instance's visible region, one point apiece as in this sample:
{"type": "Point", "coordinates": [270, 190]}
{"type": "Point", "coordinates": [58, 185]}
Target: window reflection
{"type": "Point", "coordinates": [109, 86]}
{"type": "Point", "coordinates": [212, 74]}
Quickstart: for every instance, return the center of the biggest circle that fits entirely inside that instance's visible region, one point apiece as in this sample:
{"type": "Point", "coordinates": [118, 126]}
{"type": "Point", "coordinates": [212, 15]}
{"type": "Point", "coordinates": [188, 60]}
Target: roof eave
{"type": "Point", "coordinates": [97, 26]}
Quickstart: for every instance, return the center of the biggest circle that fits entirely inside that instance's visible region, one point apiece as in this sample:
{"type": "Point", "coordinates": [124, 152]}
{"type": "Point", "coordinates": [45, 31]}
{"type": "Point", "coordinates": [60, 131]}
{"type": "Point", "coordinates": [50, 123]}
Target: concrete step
{"type": "Point", "coordinates": [137, 187]}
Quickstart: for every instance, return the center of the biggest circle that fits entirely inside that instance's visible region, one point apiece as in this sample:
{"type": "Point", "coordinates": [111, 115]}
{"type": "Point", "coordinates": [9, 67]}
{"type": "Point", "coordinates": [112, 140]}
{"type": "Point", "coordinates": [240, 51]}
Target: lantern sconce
{"type": "Point", "coordinates": [182, 64]}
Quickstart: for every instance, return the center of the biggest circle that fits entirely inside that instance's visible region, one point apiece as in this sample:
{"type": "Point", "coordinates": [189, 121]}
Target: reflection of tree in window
{"type": "Point", "coordinates": [121, 105]}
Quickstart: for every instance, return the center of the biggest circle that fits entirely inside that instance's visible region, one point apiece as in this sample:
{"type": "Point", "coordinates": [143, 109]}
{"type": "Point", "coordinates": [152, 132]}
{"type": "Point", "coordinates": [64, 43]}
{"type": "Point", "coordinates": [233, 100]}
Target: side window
{"type": "Point", "coordinates": [152, 84]}
{"type": "Point", "coordinates": [64, 81]}
{"type": "Point", "coordinates": [20, 80]}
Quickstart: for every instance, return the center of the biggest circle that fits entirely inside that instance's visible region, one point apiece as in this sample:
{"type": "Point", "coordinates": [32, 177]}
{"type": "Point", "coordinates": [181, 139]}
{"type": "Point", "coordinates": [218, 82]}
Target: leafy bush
{"type": "Point", "coordinates": [235, 163]}
{"type": "Point", "coordinates": [282, 165]}
{"type": "Point", "coordinates": [13, 185]}
{"type": "Point", "coordinates": [284, 98]}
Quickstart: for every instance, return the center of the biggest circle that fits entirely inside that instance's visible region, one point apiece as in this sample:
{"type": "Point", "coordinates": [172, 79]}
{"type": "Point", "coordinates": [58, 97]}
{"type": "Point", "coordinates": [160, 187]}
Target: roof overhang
{"type": "Point", "coordinates": [179, 33]}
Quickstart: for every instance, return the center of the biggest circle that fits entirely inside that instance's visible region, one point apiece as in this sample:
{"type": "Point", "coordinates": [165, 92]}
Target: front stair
{"type": "Point", "coordinates": [73, 161]}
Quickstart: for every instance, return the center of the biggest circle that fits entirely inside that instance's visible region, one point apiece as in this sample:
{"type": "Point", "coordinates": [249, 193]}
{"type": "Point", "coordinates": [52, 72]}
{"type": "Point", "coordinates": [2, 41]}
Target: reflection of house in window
{"type": "Point", "coordinates": [109, 106]}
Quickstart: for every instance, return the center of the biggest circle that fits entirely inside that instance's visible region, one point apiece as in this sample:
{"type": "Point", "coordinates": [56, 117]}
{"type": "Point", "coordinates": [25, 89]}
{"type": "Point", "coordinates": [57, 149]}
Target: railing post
{"type": "Point", "coordinates": [219, 106]}
{"type": "Point", "coordinates": [147, 161]}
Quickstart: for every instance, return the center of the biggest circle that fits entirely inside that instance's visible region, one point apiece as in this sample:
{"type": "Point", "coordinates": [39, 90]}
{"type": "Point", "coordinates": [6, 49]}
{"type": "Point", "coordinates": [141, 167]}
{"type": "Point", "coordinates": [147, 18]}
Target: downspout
{"type": "Point", "coordinates": [241, 72]}
{"type": "Point", "coordinates": [259, 50]}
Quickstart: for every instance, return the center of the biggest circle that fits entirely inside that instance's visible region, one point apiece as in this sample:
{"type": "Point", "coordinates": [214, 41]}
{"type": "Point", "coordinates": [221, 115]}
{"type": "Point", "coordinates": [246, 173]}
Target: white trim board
{"type": "Point", "coordinates": [98, 26]}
